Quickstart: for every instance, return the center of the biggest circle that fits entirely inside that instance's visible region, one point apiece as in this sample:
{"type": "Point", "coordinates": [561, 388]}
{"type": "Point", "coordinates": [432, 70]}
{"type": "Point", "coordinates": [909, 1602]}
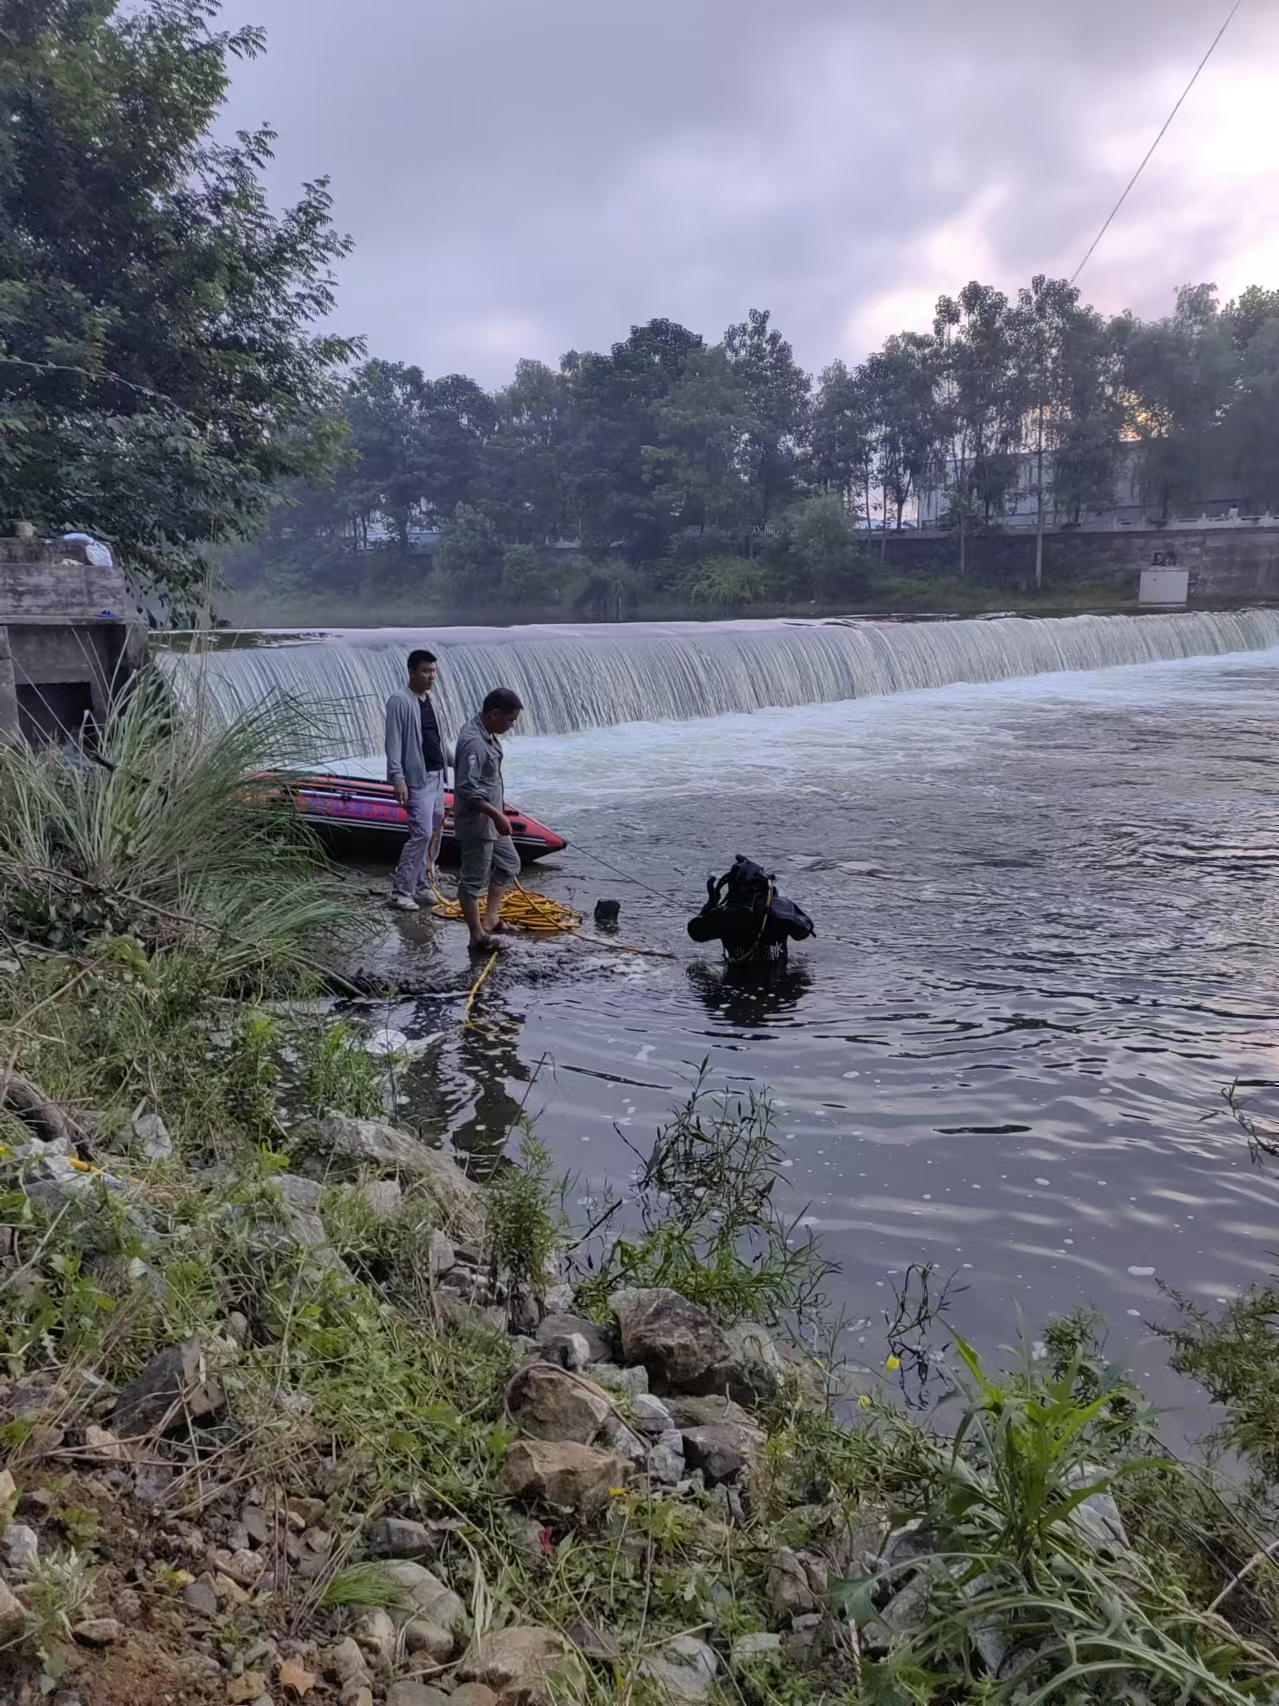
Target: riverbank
{"type": "Point", "coordinates": [294, 1409]}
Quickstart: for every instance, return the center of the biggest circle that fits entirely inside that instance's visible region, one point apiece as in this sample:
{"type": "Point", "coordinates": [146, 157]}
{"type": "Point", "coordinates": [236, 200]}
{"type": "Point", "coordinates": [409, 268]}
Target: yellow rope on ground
{"type": "Point", "coordinates": [536, 913]}
{"type": "Point", "coordinates": [539, 915]}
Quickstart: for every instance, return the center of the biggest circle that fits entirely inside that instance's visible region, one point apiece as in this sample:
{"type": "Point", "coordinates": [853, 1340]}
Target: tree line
{"type": "Point", "coordinates": [165, 383]}
{"type": "Point", "coordinates": [723, 467]}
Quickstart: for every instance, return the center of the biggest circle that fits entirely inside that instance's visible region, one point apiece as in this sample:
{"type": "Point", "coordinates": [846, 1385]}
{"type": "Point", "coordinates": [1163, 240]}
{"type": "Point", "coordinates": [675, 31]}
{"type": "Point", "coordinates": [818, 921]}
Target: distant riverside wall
{"type": "Point", "coordinates": [1224, 562]}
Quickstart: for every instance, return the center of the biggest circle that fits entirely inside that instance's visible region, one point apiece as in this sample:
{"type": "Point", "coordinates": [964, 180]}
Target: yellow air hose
{"type": "Point", "coordinates": [539, 915]}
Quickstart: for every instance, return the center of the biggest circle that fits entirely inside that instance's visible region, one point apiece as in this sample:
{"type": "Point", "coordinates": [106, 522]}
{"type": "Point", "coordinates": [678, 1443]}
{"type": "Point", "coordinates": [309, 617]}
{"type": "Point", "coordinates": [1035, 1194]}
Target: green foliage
{"type": "Point", "coordinates": [361, 1587]}
{"type": "Point", "coordinates": [470, 549]}
{"type": "Point", "coordinates": [158, 374]}
{"type": "Point", "coordinates": [523, 573]}
{"type": "Point", "coordinates": [1234, 1355]}
{"type": "Point", "coordinates": [819, 554]}
{"type": "Point", "coordinates": [523, 1222]}
{"type": "Point", "coordinates": [709, 1226]}
{"type": "Point", "coordinates": [731, 582]}
{"type": "Point", "coordinates": [165, 842]}
{"type": "Point", "coordinates": [56, 1589]}
{"type": "Point", "coordinates": [338, 1074]}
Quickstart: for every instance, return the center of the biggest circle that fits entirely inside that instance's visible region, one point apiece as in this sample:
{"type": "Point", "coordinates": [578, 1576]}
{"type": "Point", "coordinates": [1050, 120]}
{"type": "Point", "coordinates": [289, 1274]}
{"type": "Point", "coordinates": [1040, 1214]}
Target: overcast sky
{"type": "Point", "coordinates": [523, 177]}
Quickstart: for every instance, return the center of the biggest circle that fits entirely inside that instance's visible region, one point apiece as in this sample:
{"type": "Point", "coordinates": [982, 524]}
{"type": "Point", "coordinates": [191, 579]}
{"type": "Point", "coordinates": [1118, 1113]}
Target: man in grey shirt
{"type": "Point", "coordinates": [490, 863]}
{"type": "Point", "coordinates": [416, 757]}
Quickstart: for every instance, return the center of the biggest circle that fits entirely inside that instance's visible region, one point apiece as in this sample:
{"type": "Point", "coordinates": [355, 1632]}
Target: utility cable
{"type": "Point", "coordinates": [1110, 219]}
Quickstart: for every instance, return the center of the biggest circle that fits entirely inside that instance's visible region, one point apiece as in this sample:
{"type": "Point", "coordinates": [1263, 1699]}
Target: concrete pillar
{"type": "Point", "coordinates": [8, 689]}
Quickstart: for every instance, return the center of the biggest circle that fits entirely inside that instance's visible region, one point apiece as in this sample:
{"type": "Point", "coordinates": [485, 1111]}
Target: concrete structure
{"type": "Point", "coordinates": [71, 634]}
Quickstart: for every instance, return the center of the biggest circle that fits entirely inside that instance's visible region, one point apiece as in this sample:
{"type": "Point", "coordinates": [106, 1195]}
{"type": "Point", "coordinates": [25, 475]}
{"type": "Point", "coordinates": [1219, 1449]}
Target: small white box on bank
{"type": "Point", "coordinates": [1164, 586]}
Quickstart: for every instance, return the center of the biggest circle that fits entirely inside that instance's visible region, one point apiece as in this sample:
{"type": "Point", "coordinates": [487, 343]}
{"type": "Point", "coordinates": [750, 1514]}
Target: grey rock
{"type": "Point", "coordinates": [750, 1649]}
{"type": "Point", "coordinates": [665, 1461]}
{"type": "Point", "coordinates": [616, 1436]}
{"type": "Point", "coordinates": [345, 1662]}
{"type": "Point", "coordinates": [473, 1694]}
{"type": "Point", "coordinates": [423, 1637]}
{"type": "Point", "coordinates": [527, 1660]}
{"type": "Point", "coordinates": [396, 1537]}
{"type": "Point", "coordinates": [409, 1693]}
{"type": "Point", "coordinates": [174, 1386]}
{"type": "Point", "coordinates": [757, 1366]}
{"type": "Point", "coordinates": [651, 1415]}
{"type": "Point", "coordinates": [549, 1404]}
{"type": "Point", "coordinates": [384, 1196]}
{"type": "Point", "coordinates": [688, 1412]}
{"type": "Point", "coordinates": [554, 1327]}
{"type": "Point", "coordinates": [562, 1473]}
{"type": "Point", "coordinates": [376, 1634]}
{"type": "Point", "coordinates": [425, 1596]}
{"type": "Point", "coordinates": [721, 1450]}
{"type": "Point", "coordinates": [201, 1596]}
{"type": "Point", "coordinates": [559, 1300]}
{"type": "Point", "coordinates": [13, 1614]}
{"type": "Point", "coordinates": [150, 1136]}
{"type": "Point", "coordinates": [299, 1192]}
{"type": "Point", "coordinates": [439, 1253]}
{"type": "Point", "coordinates": [622, 1382]}
{"type": "Point", "coordinates": [364, 1142]}
{"type": "Point", "coordinates": [569, 1350]}
{"type": "Point", "coordinates": [21, 1546]}
{"type": "Point", "coordinates": [98, 1632]}
{"type": "Point", "coordinates": [1097, 1519]}
{"type": "Point", "coordinates": [790, 1593]}
{"type": "Point", "coordinates": [677, 1341]}
{"type": "Point", "coordinates": [685, 1669]}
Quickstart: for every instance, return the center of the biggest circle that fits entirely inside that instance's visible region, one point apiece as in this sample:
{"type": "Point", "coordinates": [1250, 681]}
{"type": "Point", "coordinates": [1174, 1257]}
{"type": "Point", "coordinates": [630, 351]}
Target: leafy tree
{"type": "Point", "coordinates": [616, 489]}
{"type": "Point", "coordinates": [841, 438]}
{"type": "Point", "coordinates": [778, 391]}
{"type": "Point", "coordinates": [703, 424]}
{"type": "Point", "coordinates": [523, 575]}
{"type": "Point", "coordinates": [900, 385]}
{"type": "Point", "coordinates": [470, 548]}
{"type": "Point", "coordinates": [819, 553]}
{"type": "Point", "coordinates": [1179, 374]}
{"type": "Point", "coordinates": [158, 373]}
{"type": "Point", "coordinates": [524, 481]}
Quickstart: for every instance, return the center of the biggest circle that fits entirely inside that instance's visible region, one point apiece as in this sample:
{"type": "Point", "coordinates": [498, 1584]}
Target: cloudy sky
{"type": "Point", "coordinates": [523, 177]}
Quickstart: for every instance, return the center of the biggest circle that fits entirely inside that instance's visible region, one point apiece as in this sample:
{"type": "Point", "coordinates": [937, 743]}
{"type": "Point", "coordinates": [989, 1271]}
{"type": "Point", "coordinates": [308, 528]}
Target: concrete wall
{"type": "Point", "coordinates": [63, 621]}
{"type": "Point", "coordinates": [1225, 563]}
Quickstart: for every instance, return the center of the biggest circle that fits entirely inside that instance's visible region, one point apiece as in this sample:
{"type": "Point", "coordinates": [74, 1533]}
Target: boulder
{"type": "Point", "coordinates": [201, 1597]}
{"type": "Point", "coordinates": [615, 1436]}
{"type": "Point", "coordinates": [473, 1694]}
{"type": "Point", "coordinates": [423, 1637]}
{"type": "Point", "coordinates": [751, 1649]}
{"type": "Point", "coordinates": [353, 1143]}
{"type": "Point", "coordinates": [149, 1135]}
{"type": "Point", "coordinates": [721, 1450]}
{"type": "Point", "coordinates": [377, 1636]}
{"type": "Point", "coordinates": [688, 1412]}
{"type": "Point", "coordinates": [396, 1537]}
{"type": "Point", "coordinates": [684, 1669]}
{"type": "Point", "coordinates": [21, 1546]}
{"type": "Point", "coordinates": [13, 1614]}
{"type": "Point", "coordinates": [790, 1593]}
{"type": "Point", "coordinates": [562, 1473]}
{"type": "Point", "coordinates": [677, 1341]}
{"type": "Point", "coordinates": [547, 1403]}
{"type": "Point", "coordinates": [426, 1598]}
{"type": "Point", "coordinates": [440, 1255]}
{"type": "Point", "coordinates": [532, 1662]}
{"type": "Point", "coordinates": [345, 1663]}
{"type": "Point", "coordinates": [569, 1350]}
{"type": "Point", "coordinates": [665, 1460]}
{"type": "Point", "coordinates": [174, 1387]}
{"type": "Point", "coordinates": [556, 1327]}
{"type": "Point", "coordinates": [651, 1415]}
{"type": "Point", "coordinates": [98, 1632]}
{"type": "Point", "coordinates": [757, 1366]}
{"type": "Point", "coordinates": [409, 1693]}
{"type": "Point", "coordinates": [383, 1196]}
{"type": "Point", "coordinates": [621, 1382]}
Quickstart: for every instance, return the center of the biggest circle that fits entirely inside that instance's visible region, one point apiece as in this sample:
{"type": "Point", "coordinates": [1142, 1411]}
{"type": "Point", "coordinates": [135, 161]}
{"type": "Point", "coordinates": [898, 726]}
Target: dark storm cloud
{"type": "Point", "coordinates": [526, 176]}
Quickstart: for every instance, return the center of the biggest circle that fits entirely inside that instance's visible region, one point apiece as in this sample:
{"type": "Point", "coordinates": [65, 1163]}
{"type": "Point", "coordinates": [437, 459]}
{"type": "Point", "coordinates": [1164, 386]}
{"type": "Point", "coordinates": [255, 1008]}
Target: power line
{"type": "Point", "coordinates": [1162, 133]}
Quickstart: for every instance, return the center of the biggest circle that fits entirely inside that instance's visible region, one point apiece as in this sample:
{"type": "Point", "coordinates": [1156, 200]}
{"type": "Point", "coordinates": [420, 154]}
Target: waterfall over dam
{"type": "Point", "coordinates": [582, 677]}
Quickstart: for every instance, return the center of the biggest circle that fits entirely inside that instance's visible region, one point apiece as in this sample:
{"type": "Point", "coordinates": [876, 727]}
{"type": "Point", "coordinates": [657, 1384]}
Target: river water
{"type": "Point", "coordinates": [1046, 915]}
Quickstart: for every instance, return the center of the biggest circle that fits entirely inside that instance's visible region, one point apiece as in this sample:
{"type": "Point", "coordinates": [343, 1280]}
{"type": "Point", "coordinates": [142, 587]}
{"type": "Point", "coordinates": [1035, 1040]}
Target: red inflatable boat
{"type": "Point", "coordinates": [347, 806]}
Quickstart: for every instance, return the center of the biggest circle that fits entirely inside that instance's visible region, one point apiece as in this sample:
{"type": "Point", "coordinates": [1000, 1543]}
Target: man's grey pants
{"type": "Point", "coordinates": [426, 819]}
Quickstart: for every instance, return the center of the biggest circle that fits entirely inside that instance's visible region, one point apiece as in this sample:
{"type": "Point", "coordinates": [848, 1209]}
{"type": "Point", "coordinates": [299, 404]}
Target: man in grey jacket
{"type": "Point", "coordinates": [416, 757]}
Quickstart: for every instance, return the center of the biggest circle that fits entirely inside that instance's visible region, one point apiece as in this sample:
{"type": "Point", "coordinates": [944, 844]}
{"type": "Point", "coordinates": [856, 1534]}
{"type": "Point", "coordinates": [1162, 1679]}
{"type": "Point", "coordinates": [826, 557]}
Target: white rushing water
{"type": "Point", "coordinates": [584, 677]}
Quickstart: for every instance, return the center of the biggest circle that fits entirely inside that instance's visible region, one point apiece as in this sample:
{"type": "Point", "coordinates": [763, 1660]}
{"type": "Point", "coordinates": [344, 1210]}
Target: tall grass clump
{"type": "Point", "coordinates": [164, 839]}
{"type": "Point", "coordinates": [704, 1218]}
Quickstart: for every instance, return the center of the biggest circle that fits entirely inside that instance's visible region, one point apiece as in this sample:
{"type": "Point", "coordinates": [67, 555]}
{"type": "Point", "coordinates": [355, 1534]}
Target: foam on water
{"type": "Point", "coordinates": [584, 677]}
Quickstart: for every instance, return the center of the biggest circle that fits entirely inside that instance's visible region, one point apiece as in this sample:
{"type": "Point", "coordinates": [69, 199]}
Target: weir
{"type": "Point", "coordinates": [584, 677]}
